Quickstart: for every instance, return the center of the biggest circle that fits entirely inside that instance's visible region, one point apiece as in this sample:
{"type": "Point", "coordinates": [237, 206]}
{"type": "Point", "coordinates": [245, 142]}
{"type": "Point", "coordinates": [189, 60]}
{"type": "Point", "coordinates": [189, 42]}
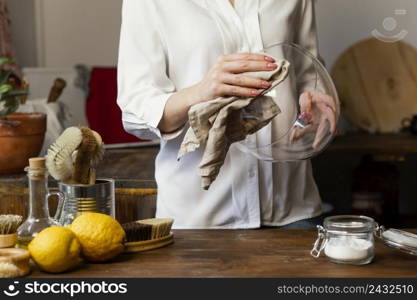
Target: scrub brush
{"type": "Point", "coordinates": [59, 159]}
{"type": "Point", "coordinates": [88, 155]}
{"type": "Point", "coordinates": [8, 227]}
{"type": "Point", "coordinates": [148, 234]}
{"type": "Point", "coordinates": [74, 155]}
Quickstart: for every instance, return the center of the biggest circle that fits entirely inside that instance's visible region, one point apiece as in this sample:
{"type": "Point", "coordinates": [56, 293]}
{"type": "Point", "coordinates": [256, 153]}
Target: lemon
{"type": "Point", "coordinates": [101, 237]}
{"type": "Point", "coordinates": [55, 249]}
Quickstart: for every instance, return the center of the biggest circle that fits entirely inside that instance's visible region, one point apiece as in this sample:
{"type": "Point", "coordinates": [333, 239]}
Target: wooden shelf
{"type": "Point", "coordinates": [398, 144]}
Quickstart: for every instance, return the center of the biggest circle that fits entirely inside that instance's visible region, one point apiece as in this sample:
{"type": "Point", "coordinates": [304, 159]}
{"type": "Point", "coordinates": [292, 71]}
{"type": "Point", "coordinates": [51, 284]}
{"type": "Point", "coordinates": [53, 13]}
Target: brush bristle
{"type": "Point", "coordinates": [147, 229]}
{"type": "Point", "coordinates": [9, 223]}
{"type": "Point", "coordinates": [160, 227]}
{"type": "Point", "coordinates": [58, 160]}
{"type": "Point", "coordinates": [137, 232]}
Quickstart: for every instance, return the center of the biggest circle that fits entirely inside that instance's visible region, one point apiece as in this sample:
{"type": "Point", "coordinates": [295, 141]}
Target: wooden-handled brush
{"type": "Point", "coordinates": [148, 234]}
{"type": "Point", "coordinates": [74, 156]}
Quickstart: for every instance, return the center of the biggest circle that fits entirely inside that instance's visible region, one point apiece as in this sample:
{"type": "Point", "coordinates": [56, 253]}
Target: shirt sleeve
{"type": "Point", "coordinates": [143, 83]}
{"type": "Point", "coordinates": [306, 37]}
{"type": "Point", "coordinates": [307, 31]}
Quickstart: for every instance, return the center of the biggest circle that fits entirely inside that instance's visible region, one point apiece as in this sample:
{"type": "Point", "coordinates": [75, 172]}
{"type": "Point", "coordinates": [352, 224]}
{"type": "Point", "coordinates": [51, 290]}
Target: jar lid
{"type": "Point", "coordinates": [398, 239]}
{"type": "Point", "coordinates": [350, 224]}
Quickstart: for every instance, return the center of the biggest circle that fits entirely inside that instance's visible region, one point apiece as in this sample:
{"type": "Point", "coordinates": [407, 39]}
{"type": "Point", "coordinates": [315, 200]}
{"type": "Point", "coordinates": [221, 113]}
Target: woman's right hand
{"type": "Point", "coordinates": [226, 77]}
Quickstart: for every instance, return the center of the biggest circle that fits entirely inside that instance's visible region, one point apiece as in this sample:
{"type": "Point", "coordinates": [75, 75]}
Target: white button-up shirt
{"type": "Point", "coordinates": [166, 46]}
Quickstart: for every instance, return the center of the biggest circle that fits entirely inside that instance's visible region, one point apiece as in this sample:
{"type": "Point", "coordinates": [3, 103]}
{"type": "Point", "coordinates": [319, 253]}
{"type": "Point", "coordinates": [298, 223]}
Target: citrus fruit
{"type": "Point", "coordinates": [101, 237]}
{"type": "Point", "coordinates": [55, 249]}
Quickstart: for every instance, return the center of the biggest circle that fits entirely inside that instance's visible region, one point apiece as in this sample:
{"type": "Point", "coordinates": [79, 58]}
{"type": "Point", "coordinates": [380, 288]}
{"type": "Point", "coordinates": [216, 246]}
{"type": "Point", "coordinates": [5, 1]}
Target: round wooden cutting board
{"type": "Point", "coordinates": [377, 84]}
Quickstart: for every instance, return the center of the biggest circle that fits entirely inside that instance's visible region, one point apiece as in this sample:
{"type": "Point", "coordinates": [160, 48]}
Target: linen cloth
{"type": "Point", "coordinates": [220, 122]}
{"type": "Point", "coordinates": [166, 46]}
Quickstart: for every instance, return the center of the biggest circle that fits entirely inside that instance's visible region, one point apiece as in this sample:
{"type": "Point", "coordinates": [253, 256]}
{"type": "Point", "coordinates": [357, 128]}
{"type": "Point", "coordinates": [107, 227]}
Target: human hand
{"type": "Point", "coordinates": [319, 112]}
{"type": "Point", "coordinates": [225, 77]}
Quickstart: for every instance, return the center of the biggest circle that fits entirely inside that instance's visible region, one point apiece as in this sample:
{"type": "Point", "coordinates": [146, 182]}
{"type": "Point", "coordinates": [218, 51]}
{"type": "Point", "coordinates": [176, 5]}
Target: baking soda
{"type": "Point", "coordinates": [347, 248]}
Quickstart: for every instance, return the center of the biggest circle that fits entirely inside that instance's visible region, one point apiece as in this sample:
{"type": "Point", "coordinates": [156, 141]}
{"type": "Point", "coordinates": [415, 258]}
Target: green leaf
{"type": "Point", "coordinates": [6, 61]}
{"type": "Point", "coordinates": [5, 76]}
{"type": "Point", "coordinates": [9, 107]}
{"type": "Point", "coordinates": [15, 93]}
{"type": "Point", "coordinates": [4, 88]}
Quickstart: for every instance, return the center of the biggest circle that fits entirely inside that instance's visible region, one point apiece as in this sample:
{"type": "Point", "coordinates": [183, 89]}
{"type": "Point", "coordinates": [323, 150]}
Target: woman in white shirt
{"type": "Point", "coordinates": [174, 54]}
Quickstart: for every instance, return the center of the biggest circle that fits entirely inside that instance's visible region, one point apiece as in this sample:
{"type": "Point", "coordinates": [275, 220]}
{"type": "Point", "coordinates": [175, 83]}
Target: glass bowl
{"type": "Point", "coordinates": [309, 107]}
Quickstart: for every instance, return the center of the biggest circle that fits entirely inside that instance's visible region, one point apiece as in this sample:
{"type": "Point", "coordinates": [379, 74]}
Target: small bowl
{"type": "Point", "coordinates": [14, 262]}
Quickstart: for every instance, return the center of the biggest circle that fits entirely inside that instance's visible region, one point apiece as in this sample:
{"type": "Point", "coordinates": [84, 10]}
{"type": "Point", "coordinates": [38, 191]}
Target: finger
{"type": "Point", "coordinates": [328, 114]}
{"type": "Point", "coordinates": [331, 117]}
{"type": "Point", "coordinates": [323, 98]}
{"type": "Point", "coordinates": [245, 81]}
{"type": "Point", "coordinates": [241, 66]}
{"type": "Point", "coordinates": [232, 90]}
{"type": "Point", "coordinates": [321, 132]}
{"type": "Point", "coordinates": [305, 103]}
{"type": "Point", "coordinates": [247, 57]}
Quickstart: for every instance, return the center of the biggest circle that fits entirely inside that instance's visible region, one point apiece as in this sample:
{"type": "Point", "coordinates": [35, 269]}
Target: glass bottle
{"type": "Point", "coordinates": [38, 215]}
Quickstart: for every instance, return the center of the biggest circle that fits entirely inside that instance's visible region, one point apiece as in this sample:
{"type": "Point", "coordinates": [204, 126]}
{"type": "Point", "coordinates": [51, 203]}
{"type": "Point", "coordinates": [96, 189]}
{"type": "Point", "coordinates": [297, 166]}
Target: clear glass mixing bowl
{"type": "Point", "coordinates": [309, 106]}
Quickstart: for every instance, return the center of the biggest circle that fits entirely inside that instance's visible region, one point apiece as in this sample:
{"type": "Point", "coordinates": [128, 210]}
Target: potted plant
{"type": "Point", "coordinates": [21, 134]}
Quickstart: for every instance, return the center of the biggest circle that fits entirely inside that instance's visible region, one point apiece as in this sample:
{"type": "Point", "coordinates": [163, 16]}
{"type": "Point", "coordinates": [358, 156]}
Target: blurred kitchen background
{"type": "Point", "coordinates": [370, 168]}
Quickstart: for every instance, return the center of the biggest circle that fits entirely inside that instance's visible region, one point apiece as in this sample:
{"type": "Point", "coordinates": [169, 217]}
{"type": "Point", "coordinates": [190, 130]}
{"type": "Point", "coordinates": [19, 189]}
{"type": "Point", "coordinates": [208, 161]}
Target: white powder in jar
{"type": "Point", "coordinates": [347, 248]}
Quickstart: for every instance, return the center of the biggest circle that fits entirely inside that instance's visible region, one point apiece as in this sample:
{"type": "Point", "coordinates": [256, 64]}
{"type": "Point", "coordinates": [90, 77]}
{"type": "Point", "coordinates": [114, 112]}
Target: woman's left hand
{"type": "Point", "coordinates": [319, 112]}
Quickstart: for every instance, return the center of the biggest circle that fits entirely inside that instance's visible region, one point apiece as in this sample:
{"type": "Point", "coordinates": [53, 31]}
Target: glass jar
{"type": "Point", "coordinates": [346, 239]}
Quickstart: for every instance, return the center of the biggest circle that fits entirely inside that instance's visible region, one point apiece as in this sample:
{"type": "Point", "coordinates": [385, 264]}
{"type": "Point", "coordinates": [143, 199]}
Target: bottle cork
{"type": "Point", "coordinates": [37, 168]}
{"type": "Point", "coordinates": [37, 162]}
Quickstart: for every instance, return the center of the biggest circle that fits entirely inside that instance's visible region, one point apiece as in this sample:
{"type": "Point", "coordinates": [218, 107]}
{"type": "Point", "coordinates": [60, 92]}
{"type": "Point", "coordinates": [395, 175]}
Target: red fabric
{"type": "Point", "coordinates": [103, 113]}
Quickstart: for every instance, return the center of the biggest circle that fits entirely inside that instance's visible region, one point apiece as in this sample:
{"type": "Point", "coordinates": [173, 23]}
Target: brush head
{"type": "Point", "coordinates": [137, 232]}
{"type": "Point", "coordinates": [147, 229]}
{"type": "Point", "coordinates": [59, 158]}
{"type": "Point", "coordinates": [74, 155]}
{"type": "Point", "coordinates": [9, 223]}
{"type": "Point", "coordinates": [99, 151]}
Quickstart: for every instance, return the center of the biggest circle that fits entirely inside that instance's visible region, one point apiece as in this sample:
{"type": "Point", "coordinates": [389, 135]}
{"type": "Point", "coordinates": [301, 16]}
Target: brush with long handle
{"type": "Point", "coordinates": [74, 156]}
{"type": "Point", "coordinates": [84, 157]}
{"type": "Point", "coordinates": [59, 159]}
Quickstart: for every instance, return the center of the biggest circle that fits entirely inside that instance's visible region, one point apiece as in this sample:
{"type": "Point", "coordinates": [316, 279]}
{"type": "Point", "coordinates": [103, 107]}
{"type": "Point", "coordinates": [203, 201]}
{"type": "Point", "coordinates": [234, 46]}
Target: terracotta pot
{"type": "Point", "coordinates": [21, 137]}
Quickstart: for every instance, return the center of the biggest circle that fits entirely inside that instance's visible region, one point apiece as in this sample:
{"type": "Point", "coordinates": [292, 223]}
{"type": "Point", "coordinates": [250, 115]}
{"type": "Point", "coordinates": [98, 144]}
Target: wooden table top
{"type": "Point", "coordinates": [243, 253]}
